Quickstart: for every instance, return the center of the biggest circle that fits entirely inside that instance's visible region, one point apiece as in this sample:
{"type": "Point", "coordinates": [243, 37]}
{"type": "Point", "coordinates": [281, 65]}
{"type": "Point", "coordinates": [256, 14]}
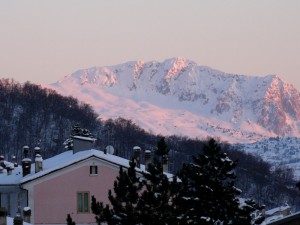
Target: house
{"type": "Point", "coordinates": [293, 219]}
{"type": "Point", "coordinates": [11, 195]}
{"type": "Point", "coordinates": [61, 185]}
{"type": "Point", "coordinates": [66, 184]}
{"type": "Point", "coordinates": [281, 215]}
{"type": "Point", "coordinates": [284, 210]}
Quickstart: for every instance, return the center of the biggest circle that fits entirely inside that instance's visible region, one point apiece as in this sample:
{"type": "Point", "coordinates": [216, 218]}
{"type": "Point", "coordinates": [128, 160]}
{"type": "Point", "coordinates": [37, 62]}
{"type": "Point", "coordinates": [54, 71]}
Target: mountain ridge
{"type": "Point", "coordinates": [177, 96]}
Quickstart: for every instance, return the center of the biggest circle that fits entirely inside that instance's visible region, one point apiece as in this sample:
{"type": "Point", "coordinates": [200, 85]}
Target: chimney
{"type": "Point", "coordinates": [3, 215]}
{"type": "Point", "coordinates": [137, 156]}
{"type": "Point", "coordinates": [147, 159]}
{"type": "Point", "coordinates": [14, 161]}
{"type": "Point", "coordinates": [18, 220]}
{"type": "Point", "coordinates": [26, 162]}
{"type": "Point", "coordinates": [26, 166]}
{"type": "Point", "coordinates": [37, 151]}
{"type": "Point", "coordinates": [25, 151]}
{"type": "Point", "coordinates": [9, 170]}
{"type": "Point", "coordinates": [2, 161]}
{"type": "Point", "coordinates": [81, 143]}
{"type": "Point", "coordinates": [38, 163]}
{"type": "Point", "coordinates": [165, 161]}
{"type": "Point", "coordinates": [27, 214]}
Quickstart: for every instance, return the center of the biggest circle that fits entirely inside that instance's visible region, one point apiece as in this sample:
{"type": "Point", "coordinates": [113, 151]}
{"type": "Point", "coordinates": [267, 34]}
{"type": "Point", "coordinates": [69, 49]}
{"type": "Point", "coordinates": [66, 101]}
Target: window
{"type": "Point", "coordinates": [83, 202]}
{"type": "Point", "coordinates": [93, 170]}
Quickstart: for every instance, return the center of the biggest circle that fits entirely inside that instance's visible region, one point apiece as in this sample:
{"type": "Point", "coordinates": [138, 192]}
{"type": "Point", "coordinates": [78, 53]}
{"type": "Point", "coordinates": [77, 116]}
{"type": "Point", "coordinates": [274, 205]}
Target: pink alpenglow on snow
{"type": "Point", "coordinates": [178, 96]}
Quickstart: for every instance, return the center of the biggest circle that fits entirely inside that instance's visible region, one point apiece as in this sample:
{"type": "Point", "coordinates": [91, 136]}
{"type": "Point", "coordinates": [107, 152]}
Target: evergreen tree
{"type": "Point", "coordinates": [124, 200]}
{"type": "Point", "coordinates": [162, 148]}
{"type": "Point", "coordinates": [68, 144]}
{"type": "Point", "coordinates": [70, 221]}
{"type": "Point", "coordinates": [161, 152]}
{"type": "Point", "coordinates": [146, 200]}
{"type": "Point", "coordinates": [298, 185]}
{"type": "Point", "coordinates": [157, 202]}
{"type": "Point", "coordinates": [208, 194]}
{"type": "Point", "coordinates": [102, 213]}
{"type": "Point", "coordinates": [205, 194]}
{"type": "Point", "coordinates": [76, 131]}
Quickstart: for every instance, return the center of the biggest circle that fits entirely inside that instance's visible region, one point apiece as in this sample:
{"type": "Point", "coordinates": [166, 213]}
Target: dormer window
{"type": "Point", "coordinates": [93, 170]}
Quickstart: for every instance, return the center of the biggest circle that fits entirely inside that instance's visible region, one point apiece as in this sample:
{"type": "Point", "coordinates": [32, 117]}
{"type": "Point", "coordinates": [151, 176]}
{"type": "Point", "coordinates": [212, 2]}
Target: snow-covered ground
{"type": "Point", "coordinates": [10, 221]}
{"type": "Point", "coordinates": [277, 151]}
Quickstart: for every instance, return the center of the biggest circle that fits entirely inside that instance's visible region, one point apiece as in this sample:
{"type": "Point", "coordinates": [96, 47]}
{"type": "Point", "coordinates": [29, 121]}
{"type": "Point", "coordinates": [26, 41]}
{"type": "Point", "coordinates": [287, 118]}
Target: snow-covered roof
{"type": "Point", "coordinates": [275, 214]}
{"type": "Point", "coordinates": [271, 212]}
{"type": "Point", "coordinates": [272, 219]}
{"type": "Point", "coordinates": [84, 138]}
{"type": "Point", "coordinates": [11, 179]}
{"type": "Point", "coordinates": [60, 161]}
{"type": "Point", "coordinates": [280, 219]}
{"type": "Point", "coordinates": [8, 164]}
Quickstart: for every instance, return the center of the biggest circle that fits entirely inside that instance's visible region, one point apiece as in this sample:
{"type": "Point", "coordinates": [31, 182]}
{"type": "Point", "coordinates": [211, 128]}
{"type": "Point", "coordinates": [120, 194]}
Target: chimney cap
{"type": "Point", "coordinates": [26, 208]}
{"type": "Point", "coordinates": [27, 211]}
{"type": "Point", "coordinates": [37, 151]}
{"type": "Point", "coordinates": [26, 160]}
{"type": "Point", "coordinates": [25, 151]}
{"type": "Point", "coordinates": [38, 158]}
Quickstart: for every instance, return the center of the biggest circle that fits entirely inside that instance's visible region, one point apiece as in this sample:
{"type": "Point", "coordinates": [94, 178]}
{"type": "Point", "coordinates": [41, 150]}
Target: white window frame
{"type": "Point", "coordinates": [93, 170]}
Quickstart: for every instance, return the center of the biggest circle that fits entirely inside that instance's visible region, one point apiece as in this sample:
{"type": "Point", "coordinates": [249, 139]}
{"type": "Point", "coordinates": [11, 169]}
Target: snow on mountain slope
{"type": "Point", "coordinates": [277, 151]}
{"type": "Point", "coordinates": [178, 96]}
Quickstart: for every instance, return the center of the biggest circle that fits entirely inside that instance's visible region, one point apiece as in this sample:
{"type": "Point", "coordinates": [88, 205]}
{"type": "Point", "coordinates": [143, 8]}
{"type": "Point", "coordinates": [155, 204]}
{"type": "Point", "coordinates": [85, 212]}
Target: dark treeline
{"type": "Point", "coordinates": [33, 116]}
{"type": "Point", "coordinates": [256, 178]}
{"type": "Point", "coordinates": [270, 185]}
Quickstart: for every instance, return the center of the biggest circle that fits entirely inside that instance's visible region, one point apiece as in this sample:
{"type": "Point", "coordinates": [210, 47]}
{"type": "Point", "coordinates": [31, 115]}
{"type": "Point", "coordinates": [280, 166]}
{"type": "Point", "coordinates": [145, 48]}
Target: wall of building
{"type": "Point", "coordinates": [12, 197]}
{"type": "Point", "coordinates": [56, 197]}
{"type": "Point", "coordinates": [53, 196]}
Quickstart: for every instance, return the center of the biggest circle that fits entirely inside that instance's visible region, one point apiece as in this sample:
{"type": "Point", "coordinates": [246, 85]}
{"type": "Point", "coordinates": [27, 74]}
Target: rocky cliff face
{"type": "Point", "coordinates": [198, 101]}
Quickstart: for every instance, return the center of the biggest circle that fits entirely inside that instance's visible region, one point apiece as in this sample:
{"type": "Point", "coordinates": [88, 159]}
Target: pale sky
{"type": "Point", "coordinates": [44, 40]}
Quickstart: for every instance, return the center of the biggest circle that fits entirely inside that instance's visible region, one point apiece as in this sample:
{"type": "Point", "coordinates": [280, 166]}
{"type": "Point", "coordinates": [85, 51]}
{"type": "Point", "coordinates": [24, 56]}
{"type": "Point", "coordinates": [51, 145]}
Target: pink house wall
{"type": "Point", "coordinates": [57, 197]}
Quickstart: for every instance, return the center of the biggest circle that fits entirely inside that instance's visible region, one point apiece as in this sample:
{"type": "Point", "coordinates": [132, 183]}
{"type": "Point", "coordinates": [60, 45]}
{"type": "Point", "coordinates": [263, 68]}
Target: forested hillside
{"type": "Point", "coordinates": [33, 116]}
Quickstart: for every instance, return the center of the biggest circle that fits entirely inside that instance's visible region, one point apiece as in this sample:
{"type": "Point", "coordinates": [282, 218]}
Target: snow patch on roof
{"type": "Point", "coordinates": [85, 138]}
{"type": "Point", "coordinates": [63, 160]}
{"type": "Point", "coordinates": [277, 209]}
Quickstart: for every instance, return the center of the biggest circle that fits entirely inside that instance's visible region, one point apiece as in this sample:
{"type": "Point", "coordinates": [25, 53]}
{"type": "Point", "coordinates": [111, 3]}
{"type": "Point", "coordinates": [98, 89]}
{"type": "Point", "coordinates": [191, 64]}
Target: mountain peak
{"type": "Point", "coordinates": [177, 96]}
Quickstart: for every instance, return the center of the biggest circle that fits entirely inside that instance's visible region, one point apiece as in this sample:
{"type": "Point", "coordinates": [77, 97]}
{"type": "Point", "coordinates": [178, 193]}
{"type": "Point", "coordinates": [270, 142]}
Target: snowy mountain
{"type": "Point", "coordinates": [277, 151]}
{"type": "Point", "coordinates": [178, 96]}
